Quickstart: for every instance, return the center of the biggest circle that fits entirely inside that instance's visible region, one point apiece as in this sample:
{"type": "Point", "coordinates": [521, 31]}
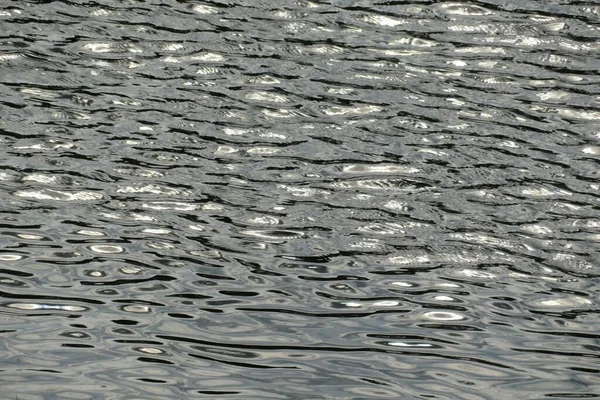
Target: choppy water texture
{"type": "Point", "coordinates": [299, 200]}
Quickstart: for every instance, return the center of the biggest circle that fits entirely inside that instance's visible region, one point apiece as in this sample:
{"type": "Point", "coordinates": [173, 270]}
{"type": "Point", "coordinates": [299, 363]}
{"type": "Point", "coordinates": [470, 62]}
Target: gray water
{"type": "Point", "coordinates": [299, 200]}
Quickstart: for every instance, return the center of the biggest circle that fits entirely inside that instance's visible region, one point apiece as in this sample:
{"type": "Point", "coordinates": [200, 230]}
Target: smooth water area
{"type": "Point", "coordinates": [327, 199]}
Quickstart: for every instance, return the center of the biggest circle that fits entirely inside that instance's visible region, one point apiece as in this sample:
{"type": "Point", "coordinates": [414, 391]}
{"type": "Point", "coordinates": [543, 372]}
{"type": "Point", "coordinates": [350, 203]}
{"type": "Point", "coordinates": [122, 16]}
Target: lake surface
{"type": "Point", "coordinates": [299, 200]}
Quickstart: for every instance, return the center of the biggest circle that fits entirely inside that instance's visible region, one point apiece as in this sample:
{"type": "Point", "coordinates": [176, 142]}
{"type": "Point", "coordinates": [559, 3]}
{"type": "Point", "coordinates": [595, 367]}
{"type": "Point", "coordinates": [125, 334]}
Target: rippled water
{"type": "Point", "coordinates": [299, 200]}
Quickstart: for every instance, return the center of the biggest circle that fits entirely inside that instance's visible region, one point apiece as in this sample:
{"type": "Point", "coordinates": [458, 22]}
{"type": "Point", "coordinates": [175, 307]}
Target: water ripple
{"type": "Point", "coordinates": [322, 199]}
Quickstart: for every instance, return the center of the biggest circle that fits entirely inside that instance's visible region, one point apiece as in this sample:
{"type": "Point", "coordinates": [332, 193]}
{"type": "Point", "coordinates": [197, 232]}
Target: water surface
{"type": "Point", "coordinates": [299, 200]}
